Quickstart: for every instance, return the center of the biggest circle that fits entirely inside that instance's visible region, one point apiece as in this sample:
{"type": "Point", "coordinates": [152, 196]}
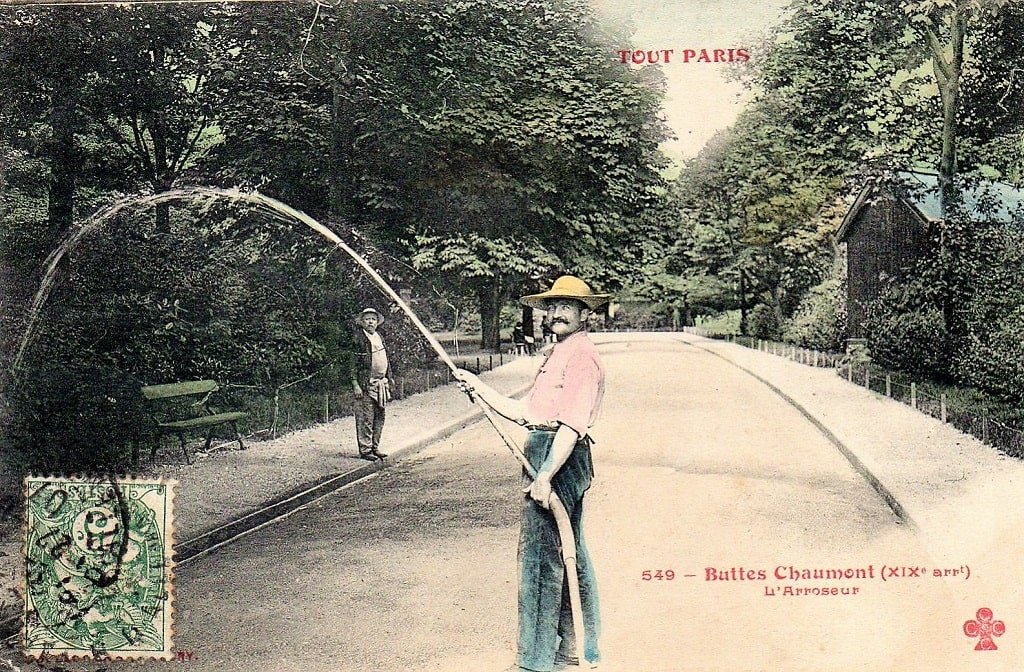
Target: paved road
{"type": "Point", "coordinates": [699, 467]}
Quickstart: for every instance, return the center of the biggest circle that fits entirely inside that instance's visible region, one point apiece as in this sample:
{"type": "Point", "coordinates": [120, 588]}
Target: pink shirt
{"type": "Point", "coordinates": [569, 386]}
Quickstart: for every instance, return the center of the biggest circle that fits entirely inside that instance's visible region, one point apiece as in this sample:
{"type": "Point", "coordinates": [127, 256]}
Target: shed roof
{"type": "Point", "coordinates": [988, 200]}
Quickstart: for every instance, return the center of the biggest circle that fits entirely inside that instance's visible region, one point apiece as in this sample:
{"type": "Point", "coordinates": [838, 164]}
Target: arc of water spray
{"type": "Point", "coordinates": [71, 241]}
{"type": "Point", "coordinates": [566, 537]}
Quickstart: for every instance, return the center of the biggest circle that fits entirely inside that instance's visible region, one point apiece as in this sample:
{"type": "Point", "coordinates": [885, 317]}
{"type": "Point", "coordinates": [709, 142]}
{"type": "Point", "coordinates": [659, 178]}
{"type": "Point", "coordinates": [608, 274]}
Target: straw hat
{"type": "Point", "coordinates": [567, 287]}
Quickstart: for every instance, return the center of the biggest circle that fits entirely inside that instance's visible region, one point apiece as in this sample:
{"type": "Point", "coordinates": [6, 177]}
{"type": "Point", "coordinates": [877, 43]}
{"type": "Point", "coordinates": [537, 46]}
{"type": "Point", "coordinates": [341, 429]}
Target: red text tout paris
{"type": "Point", "coordinates": [655, 56]}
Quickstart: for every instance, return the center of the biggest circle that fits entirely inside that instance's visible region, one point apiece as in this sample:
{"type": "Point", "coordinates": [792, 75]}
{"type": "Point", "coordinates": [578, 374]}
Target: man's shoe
{"type": "Point", "coordinates": [379, 455]}
{"type": "Point", "coordinates": [372, 457]}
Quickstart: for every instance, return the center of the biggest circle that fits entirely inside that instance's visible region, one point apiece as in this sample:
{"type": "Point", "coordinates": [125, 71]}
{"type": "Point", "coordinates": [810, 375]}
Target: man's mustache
{"type": "Point", "coordinates": [559, 321]}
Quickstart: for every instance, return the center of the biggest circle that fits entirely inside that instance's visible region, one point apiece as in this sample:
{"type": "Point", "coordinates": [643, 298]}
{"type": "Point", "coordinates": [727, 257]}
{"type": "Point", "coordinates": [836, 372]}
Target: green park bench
{"type": "Point", "coordinates": [173, 410]}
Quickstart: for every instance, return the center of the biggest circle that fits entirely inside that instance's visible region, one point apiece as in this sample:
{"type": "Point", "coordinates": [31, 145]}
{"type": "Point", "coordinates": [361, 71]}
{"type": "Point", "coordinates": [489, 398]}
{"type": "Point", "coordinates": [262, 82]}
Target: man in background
{"type": "Point", "coordinates": [371, 383]}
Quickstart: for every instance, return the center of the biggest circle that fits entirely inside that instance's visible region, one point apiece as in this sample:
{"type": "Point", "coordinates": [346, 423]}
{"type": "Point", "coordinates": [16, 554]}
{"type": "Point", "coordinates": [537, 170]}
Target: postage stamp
{"type": "Point", "coordinates": [98, 567]}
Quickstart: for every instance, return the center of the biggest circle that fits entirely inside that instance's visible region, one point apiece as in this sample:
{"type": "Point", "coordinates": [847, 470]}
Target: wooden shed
{"type": "Point", "coordinates": [889, 225]}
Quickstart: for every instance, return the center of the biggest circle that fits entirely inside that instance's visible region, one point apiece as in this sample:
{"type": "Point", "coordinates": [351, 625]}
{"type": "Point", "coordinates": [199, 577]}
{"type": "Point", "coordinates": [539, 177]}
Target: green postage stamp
{"type": "Point", "coordinates": [98, 567]}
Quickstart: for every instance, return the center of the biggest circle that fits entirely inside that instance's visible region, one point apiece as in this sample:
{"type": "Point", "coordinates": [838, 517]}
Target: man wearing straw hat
{"type": "Point", "coordinates": [559, 411]}
{"type": "Point", "coordinates": [371, 384]}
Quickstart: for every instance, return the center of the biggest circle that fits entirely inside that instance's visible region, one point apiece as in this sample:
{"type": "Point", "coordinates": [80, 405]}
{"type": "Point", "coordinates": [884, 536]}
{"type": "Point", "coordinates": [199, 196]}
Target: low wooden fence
{"type": "Point", "coordinates": [300, 404]}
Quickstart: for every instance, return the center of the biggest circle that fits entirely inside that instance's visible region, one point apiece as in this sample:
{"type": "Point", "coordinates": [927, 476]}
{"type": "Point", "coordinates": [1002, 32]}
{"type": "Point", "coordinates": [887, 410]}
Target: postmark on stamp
{"type": "Point", "coordinates": [98, 567]}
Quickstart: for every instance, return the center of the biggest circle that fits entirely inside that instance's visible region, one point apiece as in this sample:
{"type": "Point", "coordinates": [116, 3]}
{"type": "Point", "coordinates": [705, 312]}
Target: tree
{"type": "Point", "coordinates": [161, 91]}
{"type": "Point", "coordinates": [491, 141]}
{"type": "Point", "coordinates": [844, 88]}
{"type": "Point", "coordinates": [944, 25]}
{"type": "Point", "coordinates": [142, 84]}
{"type": "Point", "coordinates": [47, 84]}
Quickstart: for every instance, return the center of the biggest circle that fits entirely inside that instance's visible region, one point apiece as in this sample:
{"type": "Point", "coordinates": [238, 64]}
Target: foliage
{"type": "Point", "coordinates": [487, 143]}
{"type": "Point", "coordinates": [915, 342]}
{"type": "Point", "coordinates": [906, 330]}
{"type": "Point", "coordinates": [995, 362]}
{"type": "Point", "coordinates": [727, 322]}
{"type": "Point", "coordinates": [819, 322]}
{"type": "Point", "coordinates": [635, 315]}
{"type": "Point", "coordinates": [224, 294]}
{"type": "Point", "coordinates": [844, 88]}
{"type": "Point", "coordinates": [493, 142]}
{"type": "Point", "coordinates": [72, 415]}
{"type": "Point", "coordinates": [764, 323]}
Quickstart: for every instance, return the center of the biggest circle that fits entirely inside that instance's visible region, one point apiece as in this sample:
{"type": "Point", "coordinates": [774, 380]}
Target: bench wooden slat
{"type": "Point", "coordinates": [204, 421]}
{"type": "Point", "coordinates": [170, 390]}
{"type": "Point", "coordinates": [174, 412]}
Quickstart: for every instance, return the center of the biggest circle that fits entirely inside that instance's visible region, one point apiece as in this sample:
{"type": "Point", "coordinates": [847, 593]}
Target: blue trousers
{"type": "Point", "coordinates": [545, 615]}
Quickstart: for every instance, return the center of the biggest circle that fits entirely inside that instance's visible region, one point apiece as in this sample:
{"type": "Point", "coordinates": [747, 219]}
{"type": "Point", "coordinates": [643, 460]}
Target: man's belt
{"type": "Point", "coordinates": [542, 428]}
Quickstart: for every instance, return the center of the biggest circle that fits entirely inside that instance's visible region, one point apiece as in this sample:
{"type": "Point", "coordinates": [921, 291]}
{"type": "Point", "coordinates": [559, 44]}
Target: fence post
{"type": "Point", "coordinates": [913, 395]}
{"type": "Point", "coordinates": [327, 406]}
{"type": "Point", "coordinates": [490, 362]}
{"type": "Point", "coordinates": [815, 358]}
{"type": "Point", "coordinates": [849, 372]}
{"type": "Point", "coordinates": [867, 378]}
{"type": "Point", "coordinates": [984, 425]}
{"type": "Point", "coordinates": [401, 388]}
{"type": "Point", "coordinates": [447, 376]}
{"type": "Point", "coordinates": [429, 378]}
{"type": "Point", "coordinates": [478, 366]}
{"type": "Point", "coordinates": [277, 413]}
{"type": "Point", "coordinates": [501, 359]}
{"type": "Point", "coordinates": [888, 385]}
{"type": "Point", "coordinates": [942, 406]}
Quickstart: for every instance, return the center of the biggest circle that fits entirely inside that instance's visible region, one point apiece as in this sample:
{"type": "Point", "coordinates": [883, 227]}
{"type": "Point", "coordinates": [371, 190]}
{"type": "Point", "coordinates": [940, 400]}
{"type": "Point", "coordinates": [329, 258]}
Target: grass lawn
{"type": "Point", "coordinates": [723, 323]}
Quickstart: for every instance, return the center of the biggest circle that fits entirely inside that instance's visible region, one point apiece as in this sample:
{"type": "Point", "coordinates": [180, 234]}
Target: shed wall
{"type": "Point", "coordinates": [883, 241]}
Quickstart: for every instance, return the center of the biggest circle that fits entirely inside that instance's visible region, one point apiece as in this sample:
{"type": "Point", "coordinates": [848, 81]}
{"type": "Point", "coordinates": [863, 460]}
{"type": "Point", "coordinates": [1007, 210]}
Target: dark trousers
{"type": "Point", "coordinates": [545, 616]}
{"type": "Point", "coordinates": [369, 424]}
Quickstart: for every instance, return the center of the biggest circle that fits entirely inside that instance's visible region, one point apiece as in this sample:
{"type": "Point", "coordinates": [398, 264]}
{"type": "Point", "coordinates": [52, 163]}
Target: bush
{"type": "Point", "coordinates": [237, 298]}
{"type": "Point", "coordinates": [820, 319]}
{"type": "Point", "coordinates": [635, 316]}
{"type": "Point", "coordinates": [75, 417]}
{"type": "Point", "coordinates": [763, 322]}
{"type": "Point", "coordinates": [726, 322]}
{"type": "Point", "coordinates": [915, 342]}
{"type": "Point", "coordinates": [996, 363]}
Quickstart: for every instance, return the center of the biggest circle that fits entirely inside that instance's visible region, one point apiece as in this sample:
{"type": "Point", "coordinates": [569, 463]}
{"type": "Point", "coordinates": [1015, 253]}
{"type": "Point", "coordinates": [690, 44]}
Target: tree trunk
{"type": "Point", "coordinates": [489, 296]}
{"type": "Point", "coordinates": [743, 303]}
{"type": "Point", "coordinates": [63, 168]}
{"type": "Point", "coordinates": [947, 75]}
{"type": "Point", "coordinates": [343, 130]}
{"type": "Point", "coordinates": [527, 316]}
{"type": "Point", "coordinates": [162, 178]}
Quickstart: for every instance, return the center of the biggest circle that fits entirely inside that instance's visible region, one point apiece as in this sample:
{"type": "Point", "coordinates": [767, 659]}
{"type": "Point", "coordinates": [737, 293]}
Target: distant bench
{"type": "Point", "coordinates": [174, 412]}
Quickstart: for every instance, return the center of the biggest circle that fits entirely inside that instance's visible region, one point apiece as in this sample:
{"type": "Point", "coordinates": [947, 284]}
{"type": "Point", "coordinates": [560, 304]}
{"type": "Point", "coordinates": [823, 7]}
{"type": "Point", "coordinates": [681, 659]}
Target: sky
{"type": "Point", "coordinates": [699, 100]}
